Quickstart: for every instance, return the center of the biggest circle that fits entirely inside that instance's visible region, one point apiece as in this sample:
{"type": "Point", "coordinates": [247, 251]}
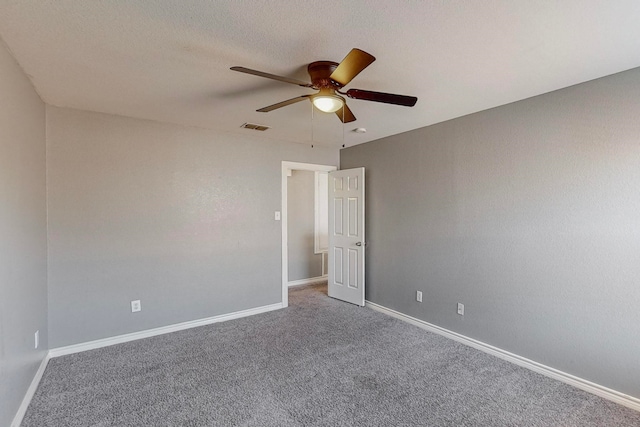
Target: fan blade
{"type": "Point", "coordinates": [345, 115]}
{"type": "Point", "coordinates": [272, 76]}
{"type": "Point", "coordinates": [387, 98]}
{"type": "Point", "coordinates": [283, 103]}
{"type": "Point", "coordinates": [356, 61]}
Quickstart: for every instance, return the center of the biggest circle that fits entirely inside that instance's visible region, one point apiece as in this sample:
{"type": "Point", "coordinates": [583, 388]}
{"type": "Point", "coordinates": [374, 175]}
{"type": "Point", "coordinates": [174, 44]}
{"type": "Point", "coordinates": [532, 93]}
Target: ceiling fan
{"type": "Point", "coordinates": [328, 78]}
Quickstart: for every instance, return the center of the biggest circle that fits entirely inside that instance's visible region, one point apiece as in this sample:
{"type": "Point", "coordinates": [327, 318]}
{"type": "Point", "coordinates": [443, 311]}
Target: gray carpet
{"type": "Point", "coordinates": [319, 362]}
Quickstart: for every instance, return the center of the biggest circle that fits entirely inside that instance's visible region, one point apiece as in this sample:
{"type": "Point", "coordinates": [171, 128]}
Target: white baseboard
{"type": "Point", "coordinates": [26, 400]}
{"type": "Point", "coordinates": [105, 342]}
{"type": "Point", "coordinates": [307, 281]}
{"type": "Point", "coordinates": [588, 386]}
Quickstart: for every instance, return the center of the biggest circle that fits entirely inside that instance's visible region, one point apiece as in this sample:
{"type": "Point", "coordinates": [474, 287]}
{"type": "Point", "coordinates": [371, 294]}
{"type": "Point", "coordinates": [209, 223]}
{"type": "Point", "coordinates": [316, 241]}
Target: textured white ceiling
{"type": "Point", "coordinates": [169, 60]}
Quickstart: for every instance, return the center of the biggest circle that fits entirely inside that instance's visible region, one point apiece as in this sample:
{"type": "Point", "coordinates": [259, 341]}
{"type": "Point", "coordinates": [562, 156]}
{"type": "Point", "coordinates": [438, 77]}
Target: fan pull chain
{"type": "Point", "coordinates": [312, 136]}
{"type": "Point", "coordinates": [343, 124]}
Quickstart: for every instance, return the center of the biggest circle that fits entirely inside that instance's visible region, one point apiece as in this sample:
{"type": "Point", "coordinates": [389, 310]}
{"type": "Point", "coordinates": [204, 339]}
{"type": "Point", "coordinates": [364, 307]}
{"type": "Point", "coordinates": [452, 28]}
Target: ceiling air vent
{"type": "Point", "coordinates": [254, 126]}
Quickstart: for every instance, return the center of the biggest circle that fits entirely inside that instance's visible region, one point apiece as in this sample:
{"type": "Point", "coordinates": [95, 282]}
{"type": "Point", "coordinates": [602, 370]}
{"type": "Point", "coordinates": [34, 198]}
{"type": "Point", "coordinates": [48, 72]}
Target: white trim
{"type": "Point", "coordinates": [105, 342]}
{"type": "Point", "coordinates": [286, 168]}
{"type": "Point", "coordinates": [26, 400]}
{"type": "Point", "coordinates": [325, 266]}
{"type": "Point", "coordinates": [320, 212]}
{"type": "Point", "coordinates": [588, 386]}
{"type": "Point", "coordinates": [307, 281]}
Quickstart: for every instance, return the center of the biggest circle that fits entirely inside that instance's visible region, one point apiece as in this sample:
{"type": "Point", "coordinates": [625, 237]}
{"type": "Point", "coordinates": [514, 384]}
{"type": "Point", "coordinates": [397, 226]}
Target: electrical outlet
{"type": "Point", "coordinates": [136, 306]}
{"type": "Point", "coordinates": [461, 309]}
{"type": "Point", "coordinates": [419, 296]}
{"type": "Point", "coordinates": [36, 339]}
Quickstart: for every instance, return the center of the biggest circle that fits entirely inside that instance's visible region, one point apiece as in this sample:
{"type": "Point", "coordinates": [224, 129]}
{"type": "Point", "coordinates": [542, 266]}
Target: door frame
{"type": "Point", "coordinates": [286, 168]}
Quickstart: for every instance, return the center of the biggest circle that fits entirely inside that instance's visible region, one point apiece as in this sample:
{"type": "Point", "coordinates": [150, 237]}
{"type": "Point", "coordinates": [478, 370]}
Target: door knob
{"type": "Point", "coordinates": [360, 244]}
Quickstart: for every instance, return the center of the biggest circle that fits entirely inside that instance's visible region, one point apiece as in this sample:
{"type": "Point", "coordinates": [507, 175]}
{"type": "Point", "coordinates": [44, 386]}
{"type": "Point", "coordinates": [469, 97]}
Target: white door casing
{"type": "Point", "coordinates": [346, 235]}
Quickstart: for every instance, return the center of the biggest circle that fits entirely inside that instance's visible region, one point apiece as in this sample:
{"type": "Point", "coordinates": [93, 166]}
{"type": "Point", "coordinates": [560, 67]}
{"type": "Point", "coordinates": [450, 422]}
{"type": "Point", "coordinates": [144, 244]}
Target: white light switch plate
{"type": "Point", "coordinates": [277, 216]}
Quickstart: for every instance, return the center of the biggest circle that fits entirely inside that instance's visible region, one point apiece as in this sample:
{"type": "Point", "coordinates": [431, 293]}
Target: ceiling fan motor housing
{"type": "Point", "coordinates": [320, 71]}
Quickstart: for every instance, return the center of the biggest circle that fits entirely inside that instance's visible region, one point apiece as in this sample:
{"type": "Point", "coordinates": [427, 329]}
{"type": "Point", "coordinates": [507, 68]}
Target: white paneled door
{"type": "Point", "coordinates": [346, 235]}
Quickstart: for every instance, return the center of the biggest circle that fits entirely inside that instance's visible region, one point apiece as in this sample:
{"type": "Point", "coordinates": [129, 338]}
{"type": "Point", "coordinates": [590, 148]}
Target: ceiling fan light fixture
{"type": "Point", "coordinates": [328, 77]}
{"type": "Point", "coordinates": [328, 103]}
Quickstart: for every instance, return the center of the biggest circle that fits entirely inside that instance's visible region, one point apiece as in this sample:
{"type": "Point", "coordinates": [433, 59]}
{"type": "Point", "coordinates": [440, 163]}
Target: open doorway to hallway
{"type": "Point", "coordinates": [304, 224]}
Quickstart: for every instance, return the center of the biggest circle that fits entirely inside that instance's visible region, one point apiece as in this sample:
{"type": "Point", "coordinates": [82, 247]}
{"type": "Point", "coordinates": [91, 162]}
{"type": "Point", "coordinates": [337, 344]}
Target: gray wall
{"type": "Point", "coordinates": [303, 262]}
{"type": "Point", "coordinates": [180, 218]}
{"type": "Point", "coordinates": [23, 234]}
{"type": "Point", "coordinates": [529, 214]}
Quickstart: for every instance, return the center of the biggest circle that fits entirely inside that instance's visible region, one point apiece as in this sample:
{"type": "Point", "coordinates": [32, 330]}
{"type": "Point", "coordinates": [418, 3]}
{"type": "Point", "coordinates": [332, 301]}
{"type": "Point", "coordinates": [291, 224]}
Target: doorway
{"type": "Point", "coordinates": [287, 170]}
